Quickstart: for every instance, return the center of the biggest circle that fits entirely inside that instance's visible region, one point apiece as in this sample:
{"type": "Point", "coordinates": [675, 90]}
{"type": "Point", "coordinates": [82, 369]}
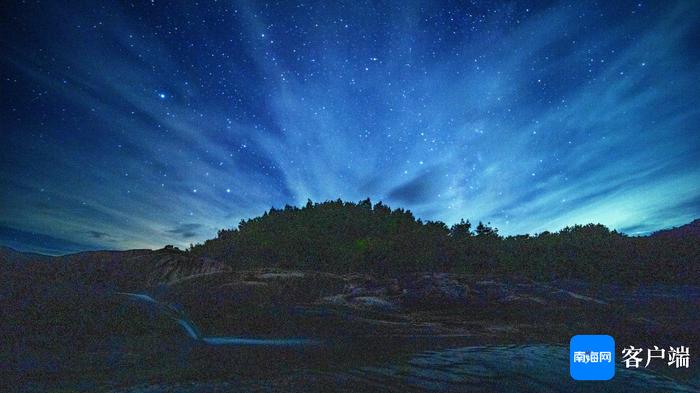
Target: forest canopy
{"type": "Point", "coordinates": [344, 237]}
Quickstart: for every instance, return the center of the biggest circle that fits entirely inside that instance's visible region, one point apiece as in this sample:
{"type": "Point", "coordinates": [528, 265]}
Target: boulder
{"type": "Point", "coordinates": [355, 291]}
{"type": "Point", "coordinates": [522, 300]}
{"type": "Point", "coordinates": [335, 300]}
{"type": "Point", "coordinates": [569, 298]}
{"type": "Point", "coordinates": [434, 290]}
{"type": "Point", "coordinates": [375, 303]}
{"type": "Point", "coordinates": [490, 291]}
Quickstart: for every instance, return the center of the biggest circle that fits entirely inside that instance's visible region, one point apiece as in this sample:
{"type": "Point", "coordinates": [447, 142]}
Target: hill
{"type": "Point", "coordinates": [10, 255]}
{"type": "Point", "coordinates": [342, 237]}
{"type": "Point", "coordinates": [346, 237]}
{"type": "Point", "coordinates": [347, 275]}
{"type": "Point", "coordinates": [688, 231]}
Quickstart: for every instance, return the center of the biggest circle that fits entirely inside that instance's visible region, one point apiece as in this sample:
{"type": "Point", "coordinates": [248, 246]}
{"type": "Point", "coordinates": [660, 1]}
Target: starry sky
{"type": "Point", "coordinates": [135, 125]}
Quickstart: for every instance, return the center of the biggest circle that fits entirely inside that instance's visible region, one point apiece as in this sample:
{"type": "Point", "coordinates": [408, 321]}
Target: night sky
{"type": "Point", "coordinates": [135, 125]}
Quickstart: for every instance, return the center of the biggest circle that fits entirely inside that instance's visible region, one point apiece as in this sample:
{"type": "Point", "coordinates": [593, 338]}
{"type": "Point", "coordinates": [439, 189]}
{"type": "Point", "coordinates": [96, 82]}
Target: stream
{"type": "Point", "coordinates": [194, 333]}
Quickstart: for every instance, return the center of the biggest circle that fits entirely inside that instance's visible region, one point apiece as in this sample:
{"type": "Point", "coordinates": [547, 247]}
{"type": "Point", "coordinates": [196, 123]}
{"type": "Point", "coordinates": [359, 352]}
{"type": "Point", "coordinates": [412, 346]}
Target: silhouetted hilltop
{"type": "Point", "coordinates": [346, 237]}
{"type": "Point", "coordinates": [342, 237]}
{"type": "Point", "coordinates": [10, 255]}
{"type": "Point", "coordinates": [123, 270]}
{"type": "Point", "coordinates": [689, 231]}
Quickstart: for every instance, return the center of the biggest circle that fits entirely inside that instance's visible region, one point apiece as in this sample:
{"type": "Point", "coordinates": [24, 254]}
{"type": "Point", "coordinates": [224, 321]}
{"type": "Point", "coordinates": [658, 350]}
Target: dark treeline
{"type": "Point", "coordinates": [344, 237]}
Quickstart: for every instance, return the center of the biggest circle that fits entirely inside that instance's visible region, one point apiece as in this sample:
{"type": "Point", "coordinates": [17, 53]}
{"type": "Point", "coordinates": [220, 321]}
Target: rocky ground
{"type": "Point", "coordinates": [431, 304]}
{"type": "Point", "coordinates": [69, 327]}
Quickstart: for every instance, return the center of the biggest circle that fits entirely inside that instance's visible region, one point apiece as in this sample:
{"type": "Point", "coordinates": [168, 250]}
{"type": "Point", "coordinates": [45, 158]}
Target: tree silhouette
{"type": "Point", "coordinates": [461, 229]}
{"type": "Point", "coordinates": [341, 237]}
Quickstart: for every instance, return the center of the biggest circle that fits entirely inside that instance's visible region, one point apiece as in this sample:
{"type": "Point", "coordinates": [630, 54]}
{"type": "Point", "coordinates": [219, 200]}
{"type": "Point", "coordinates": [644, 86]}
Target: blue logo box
{"type": "Point", "coordinates": [592, 357]}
